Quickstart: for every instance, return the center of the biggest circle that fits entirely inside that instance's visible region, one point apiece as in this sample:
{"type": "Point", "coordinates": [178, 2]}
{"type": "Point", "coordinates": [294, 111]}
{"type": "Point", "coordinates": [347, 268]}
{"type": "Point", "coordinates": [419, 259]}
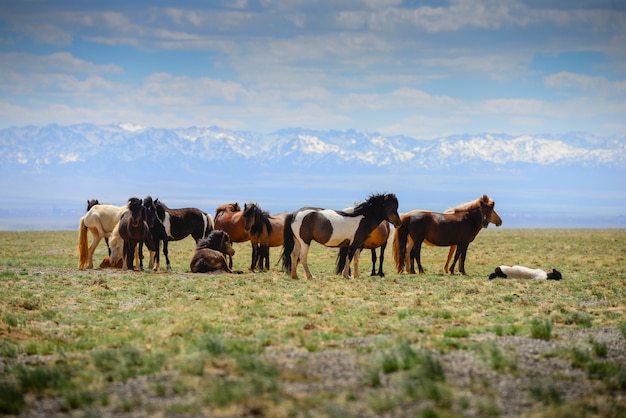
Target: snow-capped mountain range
{"type": "Point", "coordinates": [54, 145]}
{"type": "Point", "coordinates": [48, 172]}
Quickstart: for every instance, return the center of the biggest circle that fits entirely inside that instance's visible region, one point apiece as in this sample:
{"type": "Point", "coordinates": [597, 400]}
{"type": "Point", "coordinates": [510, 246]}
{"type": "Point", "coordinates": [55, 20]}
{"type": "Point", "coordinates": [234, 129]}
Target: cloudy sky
{"type": "Point", "coordinates": [420, 68]}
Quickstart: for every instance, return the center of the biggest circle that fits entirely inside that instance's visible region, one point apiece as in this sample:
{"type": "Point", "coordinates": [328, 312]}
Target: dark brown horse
{"type": "Point", "coordinates": [495, 219]}
{"type": "Point", "coordinates": [229, 218]}
{"type": "Point", "coordinates": [377, 239]}
{"type": "Point", "coordinates": [210, 253]}
{"type": "Point", "coordinates": [332, 228]}
{"type": "Point", "coordinates": [133, 229]}
{"type": "Point", "coordinates": [265, 231]}
{"type": "Point", "coordinates": [442, 229]}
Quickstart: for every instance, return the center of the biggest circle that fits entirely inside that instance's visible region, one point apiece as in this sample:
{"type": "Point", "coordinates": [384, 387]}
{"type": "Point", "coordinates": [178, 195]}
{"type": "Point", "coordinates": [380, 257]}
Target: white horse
{"type": "Point", "coordinates": [100, 221]}
{"type": "Point", "coordinates": [521, 272]}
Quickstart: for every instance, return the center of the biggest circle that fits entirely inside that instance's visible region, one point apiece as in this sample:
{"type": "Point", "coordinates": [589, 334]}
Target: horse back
{"type": "Point", "coordinates": [443, 229]}
{"type": "Point", "coordinates": [232, 223]}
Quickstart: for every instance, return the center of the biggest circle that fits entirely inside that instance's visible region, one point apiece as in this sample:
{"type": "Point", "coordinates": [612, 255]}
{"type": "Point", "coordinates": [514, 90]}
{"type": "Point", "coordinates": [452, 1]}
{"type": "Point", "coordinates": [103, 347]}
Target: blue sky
{"type": "Point", "coordinates": [420, 68]}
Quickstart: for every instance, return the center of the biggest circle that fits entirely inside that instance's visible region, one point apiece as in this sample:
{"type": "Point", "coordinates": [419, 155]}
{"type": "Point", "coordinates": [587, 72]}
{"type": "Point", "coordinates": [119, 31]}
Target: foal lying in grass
{"type": "Point", "coordinates": [521, 272]}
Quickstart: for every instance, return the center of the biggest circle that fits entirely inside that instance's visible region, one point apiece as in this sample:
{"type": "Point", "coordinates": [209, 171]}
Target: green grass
{"type": "Point", "coordinates": [203, 340]}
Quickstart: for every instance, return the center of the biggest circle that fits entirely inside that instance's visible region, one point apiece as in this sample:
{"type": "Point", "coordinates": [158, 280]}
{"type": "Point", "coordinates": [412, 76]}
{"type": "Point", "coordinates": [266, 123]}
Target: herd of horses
{"type": "Point", "coordinates": [366, 225]}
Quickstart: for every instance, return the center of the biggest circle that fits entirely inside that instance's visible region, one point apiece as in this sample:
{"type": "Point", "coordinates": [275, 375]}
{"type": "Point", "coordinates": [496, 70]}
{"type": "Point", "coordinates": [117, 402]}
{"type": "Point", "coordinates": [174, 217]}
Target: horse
{"type": "Point", "coordinates": [210, 253]}
{"type": "Point", "coordinates": [265, 231]}
{"type": "Point", "coordinates": [229, 218]}
{"type": "Point", "coordinates": [442, 229]}
{"type": "Point", "coordinates": [157, 229]}
{"type": "Point", "coordinates": [522, 272]}
{"type": "Point", "coordinates": [100, 220]}
{"type": "Point", "coordinates": [133, 229]}
{"type": "Point", "coordinates": [378, 238]}
{"type": "Point", "coordinates": [332, 228]}
{"type": "Point", "coordinates": [495, 219]}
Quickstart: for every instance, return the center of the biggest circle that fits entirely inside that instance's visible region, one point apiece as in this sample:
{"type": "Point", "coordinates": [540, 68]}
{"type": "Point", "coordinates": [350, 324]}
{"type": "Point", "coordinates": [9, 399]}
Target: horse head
{"type": "Point", "coordinates": [150, 211]}
{"type": "Point", "coordinates": [160, 209]}
{"type": "Point", "coordinates": [226, 247]}
{"type": "Point", "coordinates": [390, 203]}
{"type": "Point", "coordinates": [486, 210]}
{"type": "Point", "coordinates": [91, 203]}
{"type": "Point", "coordinates": [137, 211]}
{"type": "Point", "coordinates": [249, 215]}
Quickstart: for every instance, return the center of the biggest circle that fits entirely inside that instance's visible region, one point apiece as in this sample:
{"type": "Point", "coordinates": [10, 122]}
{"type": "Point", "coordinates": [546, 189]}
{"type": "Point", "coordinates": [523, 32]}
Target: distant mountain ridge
{"type": "Point", "coordinates": [58, 145]}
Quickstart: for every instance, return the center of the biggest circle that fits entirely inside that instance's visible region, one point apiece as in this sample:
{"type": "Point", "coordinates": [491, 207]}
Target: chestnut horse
{"type": "Point", "coordinates": [495, 219]}
{"type": "Point", "coordinates": [210, 253]}
{"type": "Point", "coordinates": [133, 229]}
{"type": "Point", "coordinates": [229, 218]}
{"type": "Point", "coordinates": [335, 228]}
{"type": "Point", "coordinates": [442, 229]}
{"type": "Point", "coordinates": [100, 220]}
{"type": "Point", "coordinates": [378, 238]}
{"type": "Point", "coordinates": [265, 231]}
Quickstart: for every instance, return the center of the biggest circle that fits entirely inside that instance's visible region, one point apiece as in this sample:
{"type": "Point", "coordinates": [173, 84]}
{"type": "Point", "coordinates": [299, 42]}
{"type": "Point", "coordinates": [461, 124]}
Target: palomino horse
{"type": "Point", "coordinates": [133, 229]}
{"type": "Point", "coordinates": [442, 229]}
{"type": "Point", "coordinates": [210, 253]}
{"type": "Point", "coordinates": [229, 218]}
{"type": "Point", "coordinates": [100, 221]}
{"type": "Point", "coordinates": [90, 204]}
{"type": "Point", "coordinates": [495, 219]}
{"type": "Point", "coordinates": [265, 231]}
{"type": "Point", "coordinates": [332, 228]}
{"type": "Point", "coordinates": [378, 238]}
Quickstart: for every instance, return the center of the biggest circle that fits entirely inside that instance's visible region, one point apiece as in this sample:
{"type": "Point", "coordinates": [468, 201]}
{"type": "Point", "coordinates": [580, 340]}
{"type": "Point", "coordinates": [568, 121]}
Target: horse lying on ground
{"type": "Point", "coordinates": [335, 228]}
{"type": "Point", "coordinates": [229, 218]}
{"type": "Point", "coordinates": [521, 272]}
{"type": "Point", "coordinates": [265, 231]}
{"type": "Point", "coordinates": [210, 255]}
{"type": "Point", "coordinates": [441, 229]}
{"type": "Point", "coordinates": [378, 238]}
{"type": "Point", "coordinates": [100, 220]}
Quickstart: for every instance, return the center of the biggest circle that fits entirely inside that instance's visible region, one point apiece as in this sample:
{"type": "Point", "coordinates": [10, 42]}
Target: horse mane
{"type": "Point", "coordinates": [213, 241]}
{"type": "Point", "coordinates": [262, 218]}
{"type": "Point", "coordinates": [233, 207]}
{"type": "Point", "coordinates": [471, 205]}
{"type": "Point", "coordinates": [361, 208]}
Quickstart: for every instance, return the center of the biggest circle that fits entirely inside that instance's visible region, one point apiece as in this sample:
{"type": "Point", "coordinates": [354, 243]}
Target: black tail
{"type": "Point", "coordinates": [341, 259]}
{"type": "Point", "coordinates": [288, 243]}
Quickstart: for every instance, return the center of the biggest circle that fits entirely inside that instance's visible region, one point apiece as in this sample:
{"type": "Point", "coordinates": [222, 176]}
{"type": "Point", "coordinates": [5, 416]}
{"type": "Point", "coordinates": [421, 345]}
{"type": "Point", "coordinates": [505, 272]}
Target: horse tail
{"type": "Point", "coordinates": [83, 245]}
{"type": "Point", "coordinates": [398, 248]}
{"type": "Point", "coordinates": [342, 256]}
{"type": "Point", "coordinates": [288, 243]}
{"type": "Point", "coordinates": [209, 225]}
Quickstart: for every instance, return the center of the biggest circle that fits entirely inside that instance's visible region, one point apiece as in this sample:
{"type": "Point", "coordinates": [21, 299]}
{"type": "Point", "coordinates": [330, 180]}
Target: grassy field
{"type": "Point", "coordinates": [113, 343]}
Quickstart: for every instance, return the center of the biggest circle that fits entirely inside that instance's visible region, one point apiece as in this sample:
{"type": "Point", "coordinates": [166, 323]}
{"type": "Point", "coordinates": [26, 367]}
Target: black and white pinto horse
{"type": "Point", "coordinates": [173, 225]}
{"type": "Point", "coordinates": [335, 228]}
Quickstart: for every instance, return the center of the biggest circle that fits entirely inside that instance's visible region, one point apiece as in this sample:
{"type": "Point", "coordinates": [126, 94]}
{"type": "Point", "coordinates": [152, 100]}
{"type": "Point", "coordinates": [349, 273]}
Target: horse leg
{"type": "Point", "coordinates": [373, 262]}
{"type": "Point", "coordinates": [355, 259]}
{"type": "Point", "coordinates": [381, 259]}
{"type": "Point", "coordinates": [168, 265]}
{"type": "Point", "coordinates": [462, 256]}
{"type": "Point", "coordinates": [456, 258]}
{"type": "Point", "coordinates": [255, 255]}
{"type": "Point", "coordinates": [140, 244]}
{"type": "Point", "coordinates": [304, 252]}
{"type": "Point", "coordinates": [450, 254]}
{"type": "Point", "coordinates": [266, 254]}
{"type": "Point", "coordinates": [106, 240]}
{"type": "Point", "coordinates": [416, 253]}
{"type": "Point", "coordinates": [94, 244]}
